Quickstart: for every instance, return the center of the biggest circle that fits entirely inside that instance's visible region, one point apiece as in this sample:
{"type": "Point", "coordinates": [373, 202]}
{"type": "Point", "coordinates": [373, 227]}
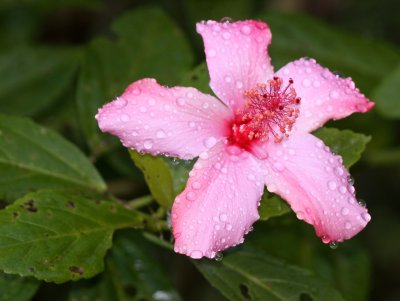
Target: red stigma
{"type": "Point", "coordinates": [269, 112]}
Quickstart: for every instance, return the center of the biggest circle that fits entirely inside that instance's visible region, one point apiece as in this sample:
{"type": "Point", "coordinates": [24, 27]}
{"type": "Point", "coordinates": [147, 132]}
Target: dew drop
{"type": "Point", "coordinates": [203, 155]}
{"type": "Point", "coordinates": [125, 118]}
{"type": "Point", "coordinates": [316, 84]}
{"type": "Point", "coordinates": [239, 84]}
{"type": "Point", "coordinates": [180, 101]}
{"type": "Point", "coordinates": [332, 185]}
{"type": "Point", "coordinates": [226, 35]}
{"type": "Point", "coordinates": [160, 134]}
{"type": "Point", "coordinates": [342, 189]}
{"type": "Point", "coordinates": [196, 185]}
{"type": "Point", "coordinates": [210, 142]}
{"type": "Point", "coordinates": [148, 144]}
{"type": "Point", "coordinates": [120, 102]}
{"type": "Point", "coordinates": [333, 245]}
{"type": "Point", "coordinates": [366, 217]}
{"type": "Point", "coordinates": [334, 94]}
{"type": "Point", "coordinates": [136, 91]}
{"type": "Point", "coordinates": [362, 203]}
{"type": "Point", "coordinates": [228, 227]}
{"type": "Point", "coordinates": [347, 225]}
{"type": "Point", "coordinates": [143, 109]}
{"type": "Point", "coordinates": [246, 29]}
{"type": "Point", "coordinates": [196, 254]}
{"type": "Point", "coordinates": [190, 196]}
{"type": "Point", "coordinates": [228, 79]}
{"type": "Point", "coordinates": [345, 211]}
{"type": "Point", "coordinates": [325, 239]}
{"type": "Point", "coordinates": [300, 215]}
{"type": "Point", "coordinates": [251, 177]}
{"type": "Point", "coordinates": [351, 200]}
{"type": "Point", "coordinates": [351, 180]}
{"type": "Point", "coordinates": [151, 102]}
{"type": "Point", "coordinates": [218, 257]}
{"type": "Point", "coordinates": [319, 144]}
{"type": "Point", "coordinates": [339, 170]}
{"type": "Point", "coordinates": [211, 53]}
{"type": "Point", "coordinates": [226, 20]}
{"type": "Point", "coordinates": [306, 82]}
{"type": "Point", "coordinates": [223, 217]}
{"type": "Point", "coordinates": [278, 167]}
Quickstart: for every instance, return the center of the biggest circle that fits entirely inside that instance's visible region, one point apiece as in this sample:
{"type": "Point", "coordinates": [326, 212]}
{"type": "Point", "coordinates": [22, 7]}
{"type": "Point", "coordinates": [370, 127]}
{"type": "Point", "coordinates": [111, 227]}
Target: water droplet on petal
{"type": "Point", "coordinates": [246, 29]}
{"type": "Point", "coordinates": [180, 101]}
{"type": "Point", "coordinates": [347, 225]}
{"type": "Point", "coordinates": [218, 257]}
{"type": "Point", "coordinates": [160, 134]}
{"type": "Point", "coordinates": [190, 196]}
{"type": "Point", "coordinates": [143, 109]}
{"type": "Point", "coordinates": [211, 53]}
{"type": "Point", "coordinates": [148, 144]}
{"type": "Point", "coordinates": [226, 35]}
{"type": "Point", "coordinates": [196, 185]}
{"type": "Point", "coordinates": [325, 239]}
{"type": "Point", "coordinates": [300, 215]}
{"type": "Point", "coordinates": [366, 217]}
{"type": "Point", "coordinates": [332, 185]}
{"type": "Point", "coordinates": [228, 79]}
{"type": "Point", "coordinates": [125, 118]}
{"type": "Point", "coordinates": [334, 94]}
{"type": "Point", "coordinates": [223, 217]}
{"type": "Point", "coordinates": [333, 245]}
{"type": "Point", "coordinates": [345, 211]}
{"type": "Point", "coordinates": [120, 102]}
{"type": "Point", "coordinates": [362, 203]}
{"type": "Point", "coordinates": [306, 82]}
{"type": "Point", "coordinates": [228, 227]}
{"type": "Point", "coordinates": [196, 254]}
{"type": "Point", "coordinates": [239, 84]}
{"type": "Point", "coordinates": [226, 20]}
{"type": "Point", "coordinates": [210, 142]}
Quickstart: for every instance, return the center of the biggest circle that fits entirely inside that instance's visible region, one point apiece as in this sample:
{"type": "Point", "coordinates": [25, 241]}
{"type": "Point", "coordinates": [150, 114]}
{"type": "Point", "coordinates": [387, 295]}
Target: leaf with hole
{"type": "Point", "coordinates": [58, 236]}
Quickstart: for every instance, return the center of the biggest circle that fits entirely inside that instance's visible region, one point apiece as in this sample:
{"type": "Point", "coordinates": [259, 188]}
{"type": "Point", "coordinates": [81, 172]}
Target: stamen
{"type": "Point", "coordinates": [269, 112]}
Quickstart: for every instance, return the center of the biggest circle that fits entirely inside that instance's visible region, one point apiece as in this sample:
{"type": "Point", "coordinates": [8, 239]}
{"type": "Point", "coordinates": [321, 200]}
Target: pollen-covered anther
{"type": "Point", "coordinates": [270, 110]}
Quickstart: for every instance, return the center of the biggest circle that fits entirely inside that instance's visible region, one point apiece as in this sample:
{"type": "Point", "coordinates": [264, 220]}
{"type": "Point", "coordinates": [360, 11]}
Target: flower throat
{"type": "Point", "coordinates": [269, 113]}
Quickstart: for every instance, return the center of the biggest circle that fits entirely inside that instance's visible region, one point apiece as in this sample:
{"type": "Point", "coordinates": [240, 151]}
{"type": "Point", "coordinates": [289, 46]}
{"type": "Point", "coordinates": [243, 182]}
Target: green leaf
{"type": "Point", "coordinates": [14, 288]}
{"type": "Point", "coordinates": [32, 79]}
{"type": "Point", "coordinates": [198, 78]}
{"type": "Point", "coordinates": [158, 176]}
{"type": "Point", "coordinates": [386, 95]}
{"type": "Point", "coordinates": [141, 279]}
{"type": "Point", "coordinates": [109, 66]}
{"type": "Point", "coordinates": [295, 242]}
{"type": "Point", "coordinates": [346, 143]}
{"type": "Point", "coordinates": [58, 236]}
{"type": "Point", "coordinates": [295, 36]}
{"type": "Point", "coordinates": [272, 206]}
{"type": "Point", "coordinates": [33, 157]}
{"type": "Point", "coordinates": [246, 275]}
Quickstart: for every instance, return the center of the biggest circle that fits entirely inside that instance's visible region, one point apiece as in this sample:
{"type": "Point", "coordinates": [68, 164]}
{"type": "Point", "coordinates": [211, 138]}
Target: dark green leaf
{"type": "Point", "coordinates": [295, 36]}
{"type": "Point", "coordinates": [386, 95]}
{"type": "Point", "coordinates": [132, 273]}
{"type": "Point", "coordinates": [58, 236]}
{"type": "Point", "coordinates": [32, 79]}
{"type": "Point", "coordinates": [346, 143]}
{"type": "Point", "coordinates": [33, 157]}
{"type": "Point", "coordinates": [14, 288]}
{"type": "Point", "coordinates": [198, 78]}
{"type": "Point", "coordinates": [148, 44]}
{"type": "Point", "coordinates": [158, 177]}
{"type": "Point", "coordinates": [271, 206]}
{"type": "Point", "coordinates": [296, 242]}
{"type": "Point", "coordinates": [255, 276]}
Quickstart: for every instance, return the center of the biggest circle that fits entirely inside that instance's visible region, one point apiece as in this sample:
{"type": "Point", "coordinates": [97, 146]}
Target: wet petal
{"type": "Point", "coordinates": [154, 119]}
{"type": "Point", "coordinates": [237, 57]}
{"type": "Point", "coordinates": [303, 171]}
{"type": "Point", "coordinates": [219, 203]}
{"type": "Point", "coordinates": [324, 95]}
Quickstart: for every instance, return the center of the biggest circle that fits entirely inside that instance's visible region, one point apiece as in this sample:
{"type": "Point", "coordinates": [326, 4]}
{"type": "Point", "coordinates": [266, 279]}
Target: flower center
{"type": "Point", "coordinates": [269, 113]}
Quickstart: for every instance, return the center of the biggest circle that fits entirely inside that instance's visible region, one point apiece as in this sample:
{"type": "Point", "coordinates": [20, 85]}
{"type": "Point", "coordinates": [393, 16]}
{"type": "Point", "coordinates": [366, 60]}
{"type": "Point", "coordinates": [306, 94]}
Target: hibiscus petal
{"type": "Point", "coordinates": [154, 119]}
{"type": "Point", "coordinates": [219, 203]}
{"type": "Point", "coordinates": [237, 57]}
{"type": "Point", "coordinates": [303, 171]}
{"type": "Point", "coordinates": [324, 96]}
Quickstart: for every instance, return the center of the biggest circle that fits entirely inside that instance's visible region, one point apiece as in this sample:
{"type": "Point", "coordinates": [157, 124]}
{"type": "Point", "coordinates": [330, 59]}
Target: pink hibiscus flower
{"type": "Point", "coordinates": [257, 133]}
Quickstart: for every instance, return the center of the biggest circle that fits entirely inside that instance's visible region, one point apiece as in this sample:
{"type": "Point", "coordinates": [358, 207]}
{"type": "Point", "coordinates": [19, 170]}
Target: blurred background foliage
{"type": "Point", "coordinates": [61, 60]}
